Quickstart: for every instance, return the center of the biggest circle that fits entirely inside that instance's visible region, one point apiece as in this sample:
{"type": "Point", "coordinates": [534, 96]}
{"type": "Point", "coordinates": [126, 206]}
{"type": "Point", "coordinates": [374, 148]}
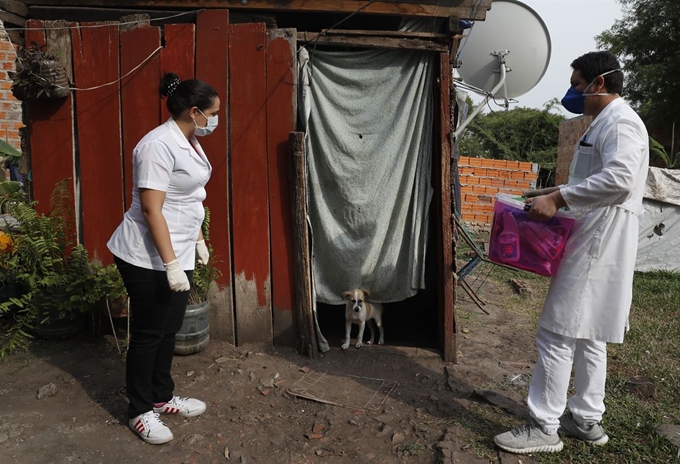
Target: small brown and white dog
{"type": "Point", "coordinates": [359, 311]}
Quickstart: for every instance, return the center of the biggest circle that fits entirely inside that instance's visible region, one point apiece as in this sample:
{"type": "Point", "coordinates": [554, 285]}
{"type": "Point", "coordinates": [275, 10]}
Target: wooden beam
{"type": "Point", "coordinates": [392, 34]}
{"type": "Point", "coordinates": [12, 6]}
{"type": "Point", "coordinates": [303, 264]}
{"type": "Point", "coordinates": [371, 42]}
{"type": "Point", "coordinates": [12, 18]}
{"type": "Point", "coordinates": [464, 9]}
{"type": "Point", "coordinates": [447, 278]}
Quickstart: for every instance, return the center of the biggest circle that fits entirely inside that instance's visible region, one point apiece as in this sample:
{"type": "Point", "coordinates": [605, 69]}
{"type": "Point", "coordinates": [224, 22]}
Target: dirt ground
{"type": "Point", "coordinates": [393, 404]}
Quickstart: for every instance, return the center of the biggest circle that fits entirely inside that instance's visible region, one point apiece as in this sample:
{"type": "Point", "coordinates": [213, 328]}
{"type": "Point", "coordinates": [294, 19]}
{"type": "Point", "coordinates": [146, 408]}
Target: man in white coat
{"type": "Point", "coordinates": [590, 295]}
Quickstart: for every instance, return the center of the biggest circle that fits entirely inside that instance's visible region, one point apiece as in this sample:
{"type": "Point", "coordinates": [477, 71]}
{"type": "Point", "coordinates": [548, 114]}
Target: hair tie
{"type": "Point", "coordinates": [172, 86]}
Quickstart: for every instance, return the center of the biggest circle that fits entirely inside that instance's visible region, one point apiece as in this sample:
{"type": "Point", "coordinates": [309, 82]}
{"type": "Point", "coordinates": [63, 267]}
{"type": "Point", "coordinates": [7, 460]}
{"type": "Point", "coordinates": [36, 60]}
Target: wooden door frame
{"type": "Point", "coordinates": [441, 180]}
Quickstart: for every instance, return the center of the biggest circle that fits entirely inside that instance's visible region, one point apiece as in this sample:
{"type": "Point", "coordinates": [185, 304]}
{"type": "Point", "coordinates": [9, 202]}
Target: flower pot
{"type": "Point", "coordinates": [194, 335]}
{"type": "Point", "coordinates": [53, 72]}
{"type": "Point", "coordinates": [50, 323]}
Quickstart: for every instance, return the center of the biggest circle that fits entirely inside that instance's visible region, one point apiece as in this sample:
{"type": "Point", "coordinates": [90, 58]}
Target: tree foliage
{"type": "Point", "coordinates": [521, 134]}
{"type": "Point", "coordinates": [647, 42]}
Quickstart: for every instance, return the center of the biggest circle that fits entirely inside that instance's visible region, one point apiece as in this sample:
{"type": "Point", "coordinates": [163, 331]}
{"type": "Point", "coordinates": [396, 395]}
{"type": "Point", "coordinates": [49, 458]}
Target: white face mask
{"type": "Point", "coordinates": [210, 126]}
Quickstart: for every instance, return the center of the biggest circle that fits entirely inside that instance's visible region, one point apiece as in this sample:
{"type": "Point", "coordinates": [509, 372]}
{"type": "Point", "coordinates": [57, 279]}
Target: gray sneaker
{"type": "Point", "coordinates": [528, 438]}
{"type": "Point", "coordinates": [593, 434]}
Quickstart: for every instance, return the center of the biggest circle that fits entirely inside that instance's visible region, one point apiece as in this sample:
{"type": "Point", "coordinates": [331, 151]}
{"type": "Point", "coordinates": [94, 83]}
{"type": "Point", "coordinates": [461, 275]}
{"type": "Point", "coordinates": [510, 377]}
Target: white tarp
{"type": "Point", "coordinates": [369, 151]}
{"type": "Point", "coordinates": [659, 241]}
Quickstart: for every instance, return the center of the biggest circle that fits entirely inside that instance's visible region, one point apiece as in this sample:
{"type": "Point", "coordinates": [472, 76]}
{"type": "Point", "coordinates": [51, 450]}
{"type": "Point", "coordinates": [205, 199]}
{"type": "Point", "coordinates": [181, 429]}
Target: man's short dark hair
{"type": "Point", "coordinates": [594, 64]}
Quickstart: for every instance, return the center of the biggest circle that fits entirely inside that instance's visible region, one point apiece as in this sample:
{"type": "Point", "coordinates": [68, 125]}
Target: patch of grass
{"type": "Point", "coordinates": [412, 449]}
{"type": "Point", "coordinates": [651, 351]}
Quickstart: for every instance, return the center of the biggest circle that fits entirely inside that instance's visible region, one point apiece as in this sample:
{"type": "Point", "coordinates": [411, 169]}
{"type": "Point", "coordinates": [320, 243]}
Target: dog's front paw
{"type": "Point", "coordinates": [345, 345]}
{"type": "Point", "coordinates": [370, 342]}
{"type": "Point", "coordinates": [358, 345]}
{"type": "Point", "coordinates": [381, 342]}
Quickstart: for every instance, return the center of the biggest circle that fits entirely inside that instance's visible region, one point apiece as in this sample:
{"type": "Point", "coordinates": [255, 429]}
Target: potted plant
{"type": "Point", "coordinates": [194, 334]}
{"type": "Point", "coordinates": [39, 74]}
{"type": "Point", "coordinates": [55, 276]}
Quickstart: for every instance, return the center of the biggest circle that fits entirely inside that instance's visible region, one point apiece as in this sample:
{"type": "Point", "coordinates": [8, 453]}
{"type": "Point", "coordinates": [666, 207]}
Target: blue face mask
{"type": "Point", "coordinates": [574, 101]}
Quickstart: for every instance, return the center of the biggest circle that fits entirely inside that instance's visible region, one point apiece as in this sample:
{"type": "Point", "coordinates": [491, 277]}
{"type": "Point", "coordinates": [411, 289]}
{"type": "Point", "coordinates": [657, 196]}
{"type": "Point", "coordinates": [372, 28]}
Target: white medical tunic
{"type": "Point", "coordinates": [165, 160]}
{"type": "Point", "coordinates": [591, 293]}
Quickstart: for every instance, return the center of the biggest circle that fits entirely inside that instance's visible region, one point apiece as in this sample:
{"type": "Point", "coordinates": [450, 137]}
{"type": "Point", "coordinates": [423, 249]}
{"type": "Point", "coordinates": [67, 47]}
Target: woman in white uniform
{"type": "Point", "coordinates": [155, 248]}
{"type": "Point", "coordinates": [590, 295]}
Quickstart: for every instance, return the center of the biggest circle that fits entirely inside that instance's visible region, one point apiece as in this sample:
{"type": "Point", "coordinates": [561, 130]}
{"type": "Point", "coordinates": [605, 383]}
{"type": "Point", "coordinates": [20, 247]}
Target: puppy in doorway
{"type": "Point", "coordinates": [359, 311]}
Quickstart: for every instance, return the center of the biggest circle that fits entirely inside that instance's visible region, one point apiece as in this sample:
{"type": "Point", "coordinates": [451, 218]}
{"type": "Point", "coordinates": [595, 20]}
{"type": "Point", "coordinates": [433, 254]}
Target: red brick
{"type": "Point", "coordinates": [525, 166]}
{"type": "Point", "coordinates": [478, 189]}
{"type": "Point", "coordinates": [471, 198]}
{"type": "Point", "coordinates": [530, 175]}
{"type": "Point", "coordinates": [476, 161]}
{"type": "Point", "coordinates": [468, 217]}
{"type": "Point", "coordinates": [466, 189]}
{"type": "Point", "coordinates": [466, 171]}
{"type": "Point", "coordinates": [484, 181]}
{"type": "Point", "coordinates": [493, 172]}
{"type": "Point", "coordinates": [487, 163]}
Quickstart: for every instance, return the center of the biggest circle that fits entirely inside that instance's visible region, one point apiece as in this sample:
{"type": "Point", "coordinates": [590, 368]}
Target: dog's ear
{"type": "Point", "coordinates": [366, 293]}
{"type": "Point", "coordinates": [346, 295]}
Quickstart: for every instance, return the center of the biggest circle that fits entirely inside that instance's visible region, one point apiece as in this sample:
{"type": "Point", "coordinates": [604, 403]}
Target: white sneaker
{"type": "Point", "coordinates": [185, 407]}
{"type": "Point", "coordinates": [150, 428]}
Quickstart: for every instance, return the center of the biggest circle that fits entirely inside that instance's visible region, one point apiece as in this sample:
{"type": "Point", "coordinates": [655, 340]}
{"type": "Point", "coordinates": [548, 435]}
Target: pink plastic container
{"type": "Point", "coordinates": [519, 242]}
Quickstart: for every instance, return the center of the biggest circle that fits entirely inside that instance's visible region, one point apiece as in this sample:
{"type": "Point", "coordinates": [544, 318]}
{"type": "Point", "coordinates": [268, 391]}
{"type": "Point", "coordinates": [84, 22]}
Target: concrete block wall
{"type": "Point", "coordinates": [10, 107]}
{"type": "Point", "coordinates": [571, 131]}
{"type": "Point", "coordinates": [481, 179]}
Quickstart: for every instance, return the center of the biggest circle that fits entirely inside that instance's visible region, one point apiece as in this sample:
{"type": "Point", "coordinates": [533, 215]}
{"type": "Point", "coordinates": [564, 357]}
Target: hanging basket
{"type": "Point", "coordinates": [38, 77]}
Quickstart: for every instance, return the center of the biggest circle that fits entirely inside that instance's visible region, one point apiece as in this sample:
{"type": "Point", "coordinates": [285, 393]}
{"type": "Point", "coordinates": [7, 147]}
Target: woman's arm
{"type": "Point", "coordinates": [152, 208]}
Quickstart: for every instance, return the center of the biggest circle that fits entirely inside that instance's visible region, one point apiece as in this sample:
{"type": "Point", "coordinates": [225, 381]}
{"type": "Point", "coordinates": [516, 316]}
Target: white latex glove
{"type": "Point", "coordinates": [177, 278]}
{"type": "Point", "coordinates": [202, 252]}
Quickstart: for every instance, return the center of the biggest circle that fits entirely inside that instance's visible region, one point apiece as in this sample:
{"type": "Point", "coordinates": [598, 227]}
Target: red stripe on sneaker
{"type": "Point", "coordinates": [139, 426]}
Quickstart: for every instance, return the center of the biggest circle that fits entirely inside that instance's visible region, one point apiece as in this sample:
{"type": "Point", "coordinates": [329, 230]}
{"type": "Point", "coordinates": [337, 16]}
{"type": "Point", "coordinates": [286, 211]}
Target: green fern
{"type": "Point", "coordinates": [55, 275]}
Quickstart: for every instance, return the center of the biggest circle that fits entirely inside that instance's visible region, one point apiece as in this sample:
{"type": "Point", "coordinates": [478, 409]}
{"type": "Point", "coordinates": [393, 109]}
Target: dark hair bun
{"type": "Point", "coordinates": [169, 83]}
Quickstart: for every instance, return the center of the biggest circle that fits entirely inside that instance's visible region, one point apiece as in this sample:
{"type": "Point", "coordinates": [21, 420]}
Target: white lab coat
{"type": "Point", "coordinates": [591, 293]}
{"type": "Point", "coordinates": [165, 160]}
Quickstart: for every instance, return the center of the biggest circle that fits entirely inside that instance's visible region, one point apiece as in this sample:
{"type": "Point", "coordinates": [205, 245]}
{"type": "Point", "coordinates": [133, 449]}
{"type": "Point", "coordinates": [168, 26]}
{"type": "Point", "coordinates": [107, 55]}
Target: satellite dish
{"type": "Point", "coordinates": [515, 30]}
{"type": "Point", "coordinates": [506, 55]}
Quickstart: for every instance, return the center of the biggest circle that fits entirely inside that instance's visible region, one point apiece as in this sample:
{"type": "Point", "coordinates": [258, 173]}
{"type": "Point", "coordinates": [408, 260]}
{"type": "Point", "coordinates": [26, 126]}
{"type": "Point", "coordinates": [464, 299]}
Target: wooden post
{"type": "Point", "coordinates": [444, 234]}
{"type": "Point", "coordinates": [303, 282]}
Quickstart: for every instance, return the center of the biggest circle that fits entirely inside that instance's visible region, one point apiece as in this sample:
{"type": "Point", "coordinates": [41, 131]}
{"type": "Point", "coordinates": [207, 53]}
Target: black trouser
{"type": "Point", "coordinates": [156, 315]}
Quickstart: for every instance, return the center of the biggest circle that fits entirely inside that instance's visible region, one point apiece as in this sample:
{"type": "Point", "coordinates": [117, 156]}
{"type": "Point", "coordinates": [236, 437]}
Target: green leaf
{"type": "Point", "coordinates": [9, 152]}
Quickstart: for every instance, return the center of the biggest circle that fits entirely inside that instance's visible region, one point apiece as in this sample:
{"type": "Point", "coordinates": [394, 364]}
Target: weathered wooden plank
{"type": "Point", "coordinates": [50, 133]}
{"type": "Point", "coordinates": [96, 62]}
{"type": "Point", "coordinates": [212, 66]}
{"type": "Point", "coordinates": [13, 6]}
{"type": "Point", "coordinates": [394, 34]}
{"type": "Point", "coordinates": [447, 296]}
{"type": "Point", "coordinates": [178, 55]}
{"type": "Point", "coordinates": [140, 96]}
{"type": "Point", "coordinates": [11, 18]}
{"type": "Point", "coordinates": [371, 42]}
{"type": "Point", "coordinates": [281, 116]}
{"type": "Point", "coordinates": [432, 8]}
{"type": "Point", "coordinates": [250, 198]}
{"type": "Point", "coordinates": [303, 263]}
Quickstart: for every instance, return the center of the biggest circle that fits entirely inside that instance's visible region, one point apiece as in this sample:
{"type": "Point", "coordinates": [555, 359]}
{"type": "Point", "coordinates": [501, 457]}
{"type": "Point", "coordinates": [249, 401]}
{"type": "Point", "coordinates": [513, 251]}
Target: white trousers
{"type": "Point", "coordinates": [550, 380]}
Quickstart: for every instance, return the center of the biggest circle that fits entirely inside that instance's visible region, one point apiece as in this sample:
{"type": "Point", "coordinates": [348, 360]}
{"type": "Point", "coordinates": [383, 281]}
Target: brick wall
{"type": "Point", "coordinates": [481, 179]}
{"type": "Point", "coordinates": [10, 107]}
{"type": "Point", "coordinates": [570, 131]}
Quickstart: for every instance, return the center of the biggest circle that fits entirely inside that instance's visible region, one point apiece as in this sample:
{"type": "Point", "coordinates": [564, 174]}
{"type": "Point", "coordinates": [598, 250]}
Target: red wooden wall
{"type": "Point", "coordinates": [90, 135]}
